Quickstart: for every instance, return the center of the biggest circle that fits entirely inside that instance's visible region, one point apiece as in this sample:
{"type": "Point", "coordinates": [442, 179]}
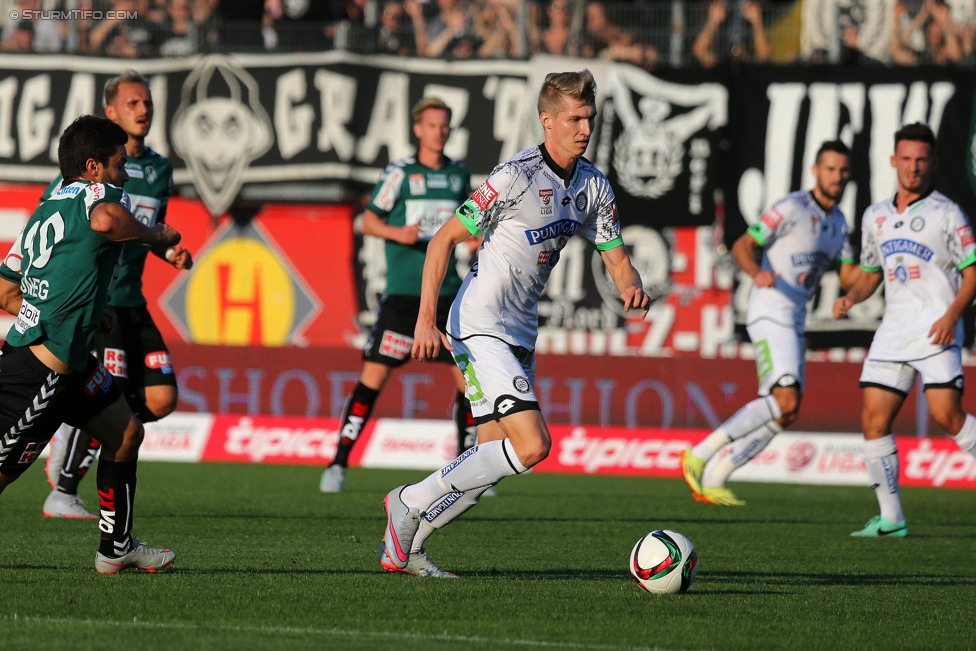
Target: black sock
{"type": "Point", "coordinates": [467, 431]}
{"type": "Point", "coordinates": [116, 492]}
{"type": "Point", "coordinates": [358, 407]}
{"type": "Point", "coordinates": [79, 456]}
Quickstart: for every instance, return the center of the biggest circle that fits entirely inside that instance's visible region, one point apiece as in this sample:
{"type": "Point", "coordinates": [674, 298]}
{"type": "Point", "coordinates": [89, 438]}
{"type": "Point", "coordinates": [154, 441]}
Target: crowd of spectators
{"type": "Point", "coordinates": [648, 33]}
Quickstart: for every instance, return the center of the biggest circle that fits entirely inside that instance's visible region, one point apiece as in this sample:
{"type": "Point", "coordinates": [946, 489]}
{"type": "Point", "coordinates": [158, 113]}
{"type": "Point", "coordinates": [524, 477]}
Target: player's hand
{"type": "Point", "coordinates": [408, 234]}
{"type": "Point", "coordinates": [169, 235]}
{"type": "Point", "coordinates": [635, 298]}
{"type": "Point", "coordinates": [108, 321]}
{"type": "Point", "coordinates": [427, 342]}
{"type": "Point", "coordinates": [181, 258]}
{"type": "Point", "coordinates": [765, 279]}
{"type": "Point", "coordinates": [841, 306]}
{"type": "Point", "coordinates": [943, 331]}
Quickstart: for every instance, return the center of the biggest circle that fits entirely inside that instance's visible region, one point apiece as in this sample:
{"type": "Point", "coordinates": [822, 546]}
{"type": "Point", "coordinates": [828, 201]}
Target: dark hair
{"type": "Point", "coordinates": [917, 132]}
{"type": "Point", "coordinates": [88, 137]}
{"type": "Point", "coordinates": [836, 146]}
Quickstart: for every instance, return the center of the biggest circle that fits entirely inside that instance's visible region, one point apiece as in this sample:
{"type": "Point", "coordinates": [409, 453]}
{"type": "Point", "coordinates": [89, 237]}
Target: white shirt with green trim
{"type": "Point", "coordinates": [800, 241]}
{"type": "Point", "coordinates": [920, 253]}
{"type": "Point", "coordinates": [527, 214]}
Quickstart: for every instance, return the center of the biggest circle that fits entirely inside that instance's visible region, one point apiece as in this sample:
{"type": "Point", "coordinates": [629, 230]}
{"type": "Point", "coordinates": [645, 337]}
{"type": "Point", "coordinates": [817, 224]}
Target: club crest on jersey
{"type": "Point", "coordinates": [545, 197]}
{"type": "Point", "coordinates": [910, 247]}
{"type": "Point", "coordinates": [917, 224]}
{"type": "Point", "coordinates": [581, 202]}
{"type": "Point", "coordinates": [965, 235]}
{"type": "Point", "coordinates": [484, 195]}
{"type": "Point", "coordinates": [562, 228]}
{"type": "Point", "coordinates": [521, 384]}
{"type": "Point", "coordinates": [151, 174]}
{"type": "Point", "coordinates": [903, 273]}
{"type": "Point", "coordinates": [455, 182]}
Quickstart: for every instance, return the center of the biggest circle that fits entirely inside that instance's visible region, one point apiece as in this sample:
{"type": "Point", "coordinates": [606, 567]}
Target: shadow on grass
{"type": "Point", "coordinates": [742, 579]}
{"type": "Point", "coordinates": [836, 579]}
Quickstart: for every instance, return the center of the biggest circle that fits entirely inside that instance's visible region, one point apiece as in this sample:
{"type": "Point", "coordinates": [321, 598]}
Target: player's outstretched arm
{"type": "Point", "coordinates": [626, 279]}
{"type": "Point", "coordinates": [943, 331]}
{"type": "Point", "coordinates": [865, 285]}
{"type": "Point", "coordinates": [114, 222]}
{"type": "Point", "coordinates": [10, 296]}
{"type": "Point", "coordinates": [427, 339]}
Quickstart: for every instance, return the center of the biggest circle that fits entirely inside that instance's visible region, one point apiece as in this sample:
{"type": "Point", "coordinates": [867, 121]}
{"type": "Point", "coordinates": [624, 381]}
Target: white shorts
{"type": "Point", "coordinates": [499, 378]}
{"type": "Point", "coordinates": [780, 355]}
{"type": "Point", "coordinates": [942, 371]}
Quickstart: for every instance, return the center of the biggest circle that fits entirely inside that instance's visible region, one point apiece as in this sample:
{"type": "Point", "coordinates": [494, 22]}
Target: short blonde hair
{"type": "Point", "coordinates": [127, 77]}
{"type": "Point", "coordinates": [575, 85]}
{"type": "Point", "coordinates": [429, 103]}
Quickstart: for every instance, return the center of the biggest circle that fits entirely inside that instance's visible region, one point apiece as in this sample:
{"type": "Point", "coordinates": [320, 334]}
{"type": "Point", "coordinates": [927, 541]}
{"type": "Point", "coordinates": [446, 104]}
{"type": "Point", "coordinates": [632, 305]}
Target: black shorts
{"type": "Point", "coordinates": [134, 351]}
{"type": "Point", "coordinates": [34, 401]}
{"type": "Point", "coordinates": [391, 338]}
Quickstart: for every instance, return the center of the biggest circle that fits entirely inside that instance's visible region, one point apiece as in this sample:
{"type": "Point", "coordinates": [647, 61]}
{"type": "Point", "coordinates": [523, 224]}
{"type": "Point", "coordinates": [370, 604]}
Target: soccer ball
{"type": "Point", "coordinates": [664, 562]}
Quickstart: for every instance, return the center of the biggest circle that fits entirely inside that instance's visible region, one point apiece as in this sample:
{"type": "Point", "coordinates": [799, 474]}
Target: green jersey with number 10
{"type": "Point", "coordinates": [64, 269]}
{"type": "Point", "coordinates": [149, 187]}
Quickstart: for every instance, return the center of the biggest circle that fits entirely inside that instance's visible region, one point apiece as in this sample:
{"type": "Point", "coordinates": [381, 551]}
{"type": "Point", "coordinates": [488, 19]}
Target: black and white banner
{"type": "Point", "coordinates": [290, 127]}
{"type": "Point", "coordinates": [778, 118]}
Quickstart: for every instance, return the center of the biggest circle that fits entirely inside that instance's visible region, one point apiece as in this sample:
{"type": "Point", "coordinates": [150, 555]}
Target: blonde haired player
{"type": "Point", "coordinates": [527, 209]}
{"type": "Point", "coordinates": [920, 245]}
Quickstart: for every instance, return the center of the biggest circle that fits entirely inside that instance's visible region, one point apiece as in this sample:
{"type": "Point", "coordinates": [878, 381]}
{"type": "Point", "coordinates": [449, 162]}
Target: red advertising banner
{"type": "Point", "coordinates": [791, 458]}
{"type": "Point", "coordinates": [607, 391]}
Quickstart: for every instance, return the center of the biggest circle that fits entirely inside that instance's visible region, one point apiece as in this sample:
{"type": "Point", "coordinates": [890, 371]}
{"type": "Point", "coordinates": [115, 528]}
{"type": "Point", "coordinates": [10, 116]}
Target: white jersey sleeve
{"type": "Point", "coordinates": [959, 237]}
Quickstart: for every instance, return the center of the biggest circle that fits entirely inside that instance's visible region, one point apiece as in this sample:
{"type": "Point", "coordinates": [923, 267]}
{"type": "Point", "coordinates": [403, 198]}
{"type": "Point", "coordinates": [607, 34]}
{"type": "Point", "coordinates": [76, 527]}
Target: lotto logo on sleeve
{"type": "Point", "coordinates": [159, 360]}
{"type": "Point", "coordinates": [965, 235]}
{"type": "Point", "coordinates": [484, 195]}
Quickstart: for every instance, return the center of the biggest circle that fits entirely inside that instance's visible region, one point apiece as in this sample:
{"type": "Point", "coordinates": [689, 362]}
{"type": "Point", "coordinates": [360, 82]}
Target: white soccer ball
{"type": "Point", "coordinates": [664, 562]}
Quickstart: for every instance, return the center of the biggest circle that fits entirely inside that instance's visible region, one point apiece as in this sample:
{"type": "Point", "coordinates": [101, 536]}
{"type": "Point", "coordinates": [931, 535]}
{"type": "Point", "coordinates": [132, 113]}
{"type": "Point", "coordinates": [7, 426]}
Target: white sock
{"type": "Point", "coordinates": [446, 510]}
{"type": "Point", "coordinates": [479, 467]}
{"type": "Point", "coordinates": [746, 448]}
{"type": "Point", "coordinates": [745, 421]}
{"type": "Point", "coordinates": [881, 458]}
{"type": "Point", "coordinates": [966, 437]}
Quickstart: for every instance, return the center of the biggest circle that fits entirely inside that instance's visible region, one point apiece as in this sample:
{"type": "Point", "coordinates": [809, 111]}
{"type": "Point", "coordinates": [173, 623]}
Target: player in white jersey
{"type": "Point", "coordinates": [527, 209]}
{"type": "Point", "coordinates": [799, 237]}
{"type": "Point", "coordinates": [919, 244]}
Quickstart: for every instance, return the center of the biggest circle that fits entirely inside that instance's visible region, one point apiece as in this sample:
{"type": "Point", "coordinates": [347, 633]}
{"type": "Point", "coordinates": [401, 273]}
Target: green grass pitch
{"type": "Point", "coordinates": [267, 562]}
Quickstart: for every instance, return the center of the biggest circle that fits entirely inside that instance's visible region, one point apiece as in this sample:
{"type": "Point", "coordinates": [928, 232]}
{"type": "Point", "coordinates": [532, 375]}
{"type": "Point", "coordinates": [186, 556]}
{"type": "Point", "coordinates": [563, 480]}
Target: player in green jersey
{"type": "Point", "coordinates": [134, 351]}
{"type": "Point", "coordinates": [413, 198]}
{"type": "Point", "coordinates": [55, 280]}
